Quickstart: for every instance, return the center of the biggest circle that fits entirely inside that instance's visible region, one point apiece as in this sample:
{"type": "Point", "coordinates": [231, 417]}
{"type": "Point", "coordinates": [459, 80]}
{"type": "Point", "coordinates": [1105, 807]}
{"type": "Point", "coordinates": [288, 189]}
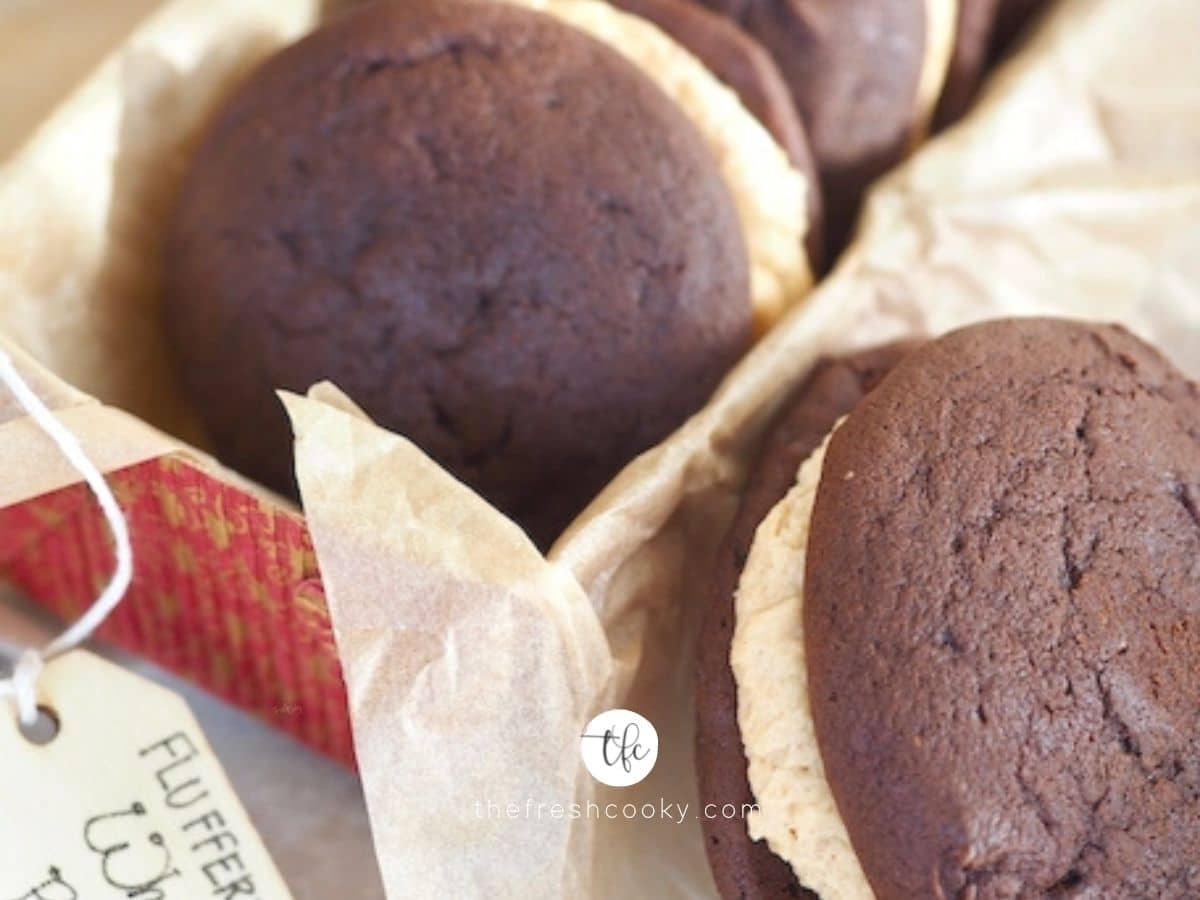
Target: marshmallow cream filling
{"type": "Point", "coordinates": [769, 193]}
{"type": "Point", "coordinates": [796, 813]}
{"type": "Point", "coordinates": [941, 28]}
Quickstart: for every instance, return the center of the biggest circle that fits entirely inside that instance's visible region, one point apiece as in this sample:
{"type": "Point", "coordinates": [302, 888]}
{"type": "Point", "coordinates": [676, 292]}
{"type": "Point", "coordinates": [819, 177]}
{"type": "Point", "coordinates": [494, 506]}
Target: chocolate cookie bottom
{"type": "Point", "coordinates": [744, 868]}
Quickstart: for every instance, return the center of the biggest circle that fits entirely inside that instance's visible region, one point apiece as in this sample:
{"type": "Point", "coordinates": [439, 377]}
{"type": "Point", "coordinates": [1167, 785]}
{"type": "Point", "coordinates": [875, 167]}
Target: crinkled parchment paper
{"type": "Point", "coordinates": [473, 663]}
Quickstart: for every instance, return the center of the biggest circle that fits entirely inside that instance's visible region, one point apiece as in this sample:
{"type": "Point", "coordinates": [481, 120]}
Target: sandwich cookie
{"type": "Point", "coordinates": [966, 642]}
{"type": "Point", "coordinates": [743, 64]}
{"type": "Point", "coordinates": [865, 77]}
{"type": "Point", "coordinates": [743, 867]}
{"type": "Point", "coordinates": [769, 192]}
{"type": "Point", "coordinates": [490, 229]}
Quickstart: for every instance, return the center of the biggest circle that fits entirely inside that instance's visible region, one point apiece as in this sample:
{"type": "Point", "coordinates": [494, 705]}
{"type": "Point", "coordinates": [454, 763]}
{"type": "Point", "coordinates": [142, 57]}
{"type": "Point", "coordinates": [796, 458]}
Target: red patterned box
{"type": "Point", "coordinates": [226, 591]}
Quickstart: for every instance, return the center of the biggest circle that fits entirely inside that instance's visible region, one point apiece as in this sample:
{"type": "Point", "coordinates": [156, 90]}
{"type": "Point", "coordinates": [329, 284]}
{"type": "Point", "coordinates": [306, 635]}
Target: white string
{"type": "Point", "coordinates": [22, 684]}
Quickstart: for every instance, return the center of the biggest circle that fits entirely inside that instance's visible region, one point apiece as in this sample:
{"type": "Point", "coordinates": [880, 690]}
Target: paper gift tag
{"type": "Point", "coordinates": [126, 801]}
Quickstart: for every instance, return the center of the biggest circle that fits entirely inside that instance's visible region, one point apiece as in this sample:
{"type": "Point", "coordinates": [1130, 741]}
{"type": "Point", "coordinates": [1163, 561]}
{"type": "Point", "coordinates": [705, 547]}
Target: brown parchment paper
{"type": "Point", "coordinates": [484, 655]}
{"type": "Point", "coordinates": [1073, 190]}
{"type": "Point", "coordinates": [113, 439]}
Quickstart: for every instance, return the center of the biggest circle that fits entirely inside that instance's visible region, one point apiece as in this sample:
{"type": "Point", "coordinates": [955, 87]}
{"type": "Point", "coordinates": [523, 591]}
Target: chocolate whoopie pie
{"type": "Point", "coordinates": [745, 868]}
{"type": "Point", "coordinates": [854, 68]}
{"type": "Point", "coordinates": [743, 64]}
{"type": "Point", "coordinates": [491, 230]}
{"type": "Point", "coordinates": [979, 607]}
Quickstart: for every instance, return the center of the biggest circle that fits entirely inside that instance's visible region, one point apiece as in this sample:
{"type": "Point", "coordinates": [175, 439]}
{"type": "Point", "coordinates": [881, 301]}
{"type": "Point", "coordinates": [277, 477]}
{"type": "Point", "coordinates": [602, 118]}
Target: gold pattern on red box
{"type": "Point", "coordinates": [226, 592]}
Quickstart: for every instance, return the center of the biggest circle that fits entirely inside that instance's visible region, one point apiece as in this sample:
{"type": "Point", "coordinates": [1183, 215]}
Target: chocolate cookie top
{"type": "Point", "coordinates": [853, 67]}
{"type": "Point", "coordinates": [1002, 619]}
{"type": "Point", "coordinates": [744, 64]}
{"type": "Point", "coordinates": [493, 232]}
{"type": "Point", "coordinates": [745, 869]}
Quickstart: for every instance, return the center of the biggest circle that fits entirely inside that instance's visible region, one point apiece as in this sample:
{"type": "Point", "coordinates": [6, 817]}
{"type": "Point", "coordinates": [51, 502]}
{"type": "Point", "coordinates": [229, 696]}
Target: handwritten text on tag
{"type": "Point", "coordinates": [127, 801]}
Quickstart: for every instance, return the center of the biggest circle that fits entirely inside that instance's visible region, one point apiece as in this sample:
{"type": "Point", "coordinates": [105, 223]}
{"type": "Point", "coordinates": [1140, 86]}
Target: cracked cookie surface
{"type": "Point", "coordinates": [1002, 619]}
{"type": "Point", "coordinates": [489, 229]}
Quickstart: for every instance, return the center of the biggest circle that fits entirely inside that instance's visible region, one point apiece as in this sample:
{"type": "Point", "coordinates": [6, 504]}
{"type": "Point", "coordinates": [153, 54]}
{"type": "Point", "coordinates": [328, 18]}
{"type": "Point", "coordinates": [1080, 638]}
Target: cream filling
{"type": "Point", "coordinates": [796, 813]}
{"type": "Point", "coordinates": [941, 27]}
{"type": "Point", "coordinates": [769, 193]}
